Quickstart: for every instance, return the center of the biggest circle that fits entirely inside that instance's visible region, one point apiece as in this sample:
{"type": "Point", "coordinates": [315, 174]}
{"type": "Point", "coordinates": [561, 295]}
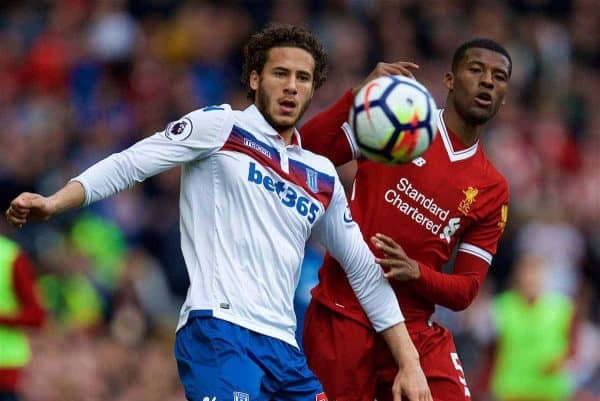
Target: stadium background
{"type": "Point", "coordinates": [81, 79]}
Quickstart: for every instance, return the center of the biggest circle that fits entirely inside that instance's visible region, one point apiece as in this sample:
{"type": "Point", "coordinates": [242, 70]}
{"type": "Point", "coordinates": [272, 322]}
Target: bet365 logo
{"type": "Point", "coordinates": [288, 195]}
{"type": "Point", "coordinates": [450, 229]}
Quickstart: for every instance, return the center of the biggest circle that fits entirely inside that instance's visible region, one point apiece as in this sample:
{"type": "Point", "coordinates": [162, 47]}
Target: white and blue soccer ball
{"type": "Point", "coordinates": [394, 119]}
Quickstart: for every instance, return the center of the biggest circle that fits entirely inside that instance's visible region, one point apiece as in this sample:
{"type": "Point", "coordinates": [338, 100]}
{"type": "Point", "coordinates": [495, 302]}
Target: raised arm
{"type": "Point", "coordinates": [324, 133]}
{"type": "Point", "coordinates": [329, 134]}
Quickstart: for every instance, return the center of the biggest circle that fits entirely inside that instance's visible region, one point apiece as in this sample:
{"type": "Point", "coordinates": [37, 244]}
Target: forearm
{"type": "Point", "coordinates": [323, 134]}
{"type": "Point", "coordinates": [69, 197]}
{"type": "Point", "coordinates": [401, 345]}
{"type": "Point", "coordinates": [455, 291]}
{"type": "Point", "coordinates": [374, 294]}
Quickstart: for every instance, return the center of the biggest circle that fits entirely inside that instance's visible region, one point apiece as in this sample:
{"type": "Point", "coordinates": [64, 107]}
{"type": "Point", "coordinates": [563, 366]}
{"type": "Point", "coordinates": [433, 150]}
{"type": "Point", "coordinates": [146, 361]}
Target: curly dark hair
{"type": "Point", "coordinates": [282, 35]}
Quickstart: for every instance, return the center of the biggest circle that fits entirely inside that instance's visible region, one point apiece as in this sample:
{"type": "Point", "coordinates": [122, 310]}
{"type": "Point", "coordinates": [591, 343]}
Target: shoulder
{"type": "Point", "coordinates": [220, 112]}
{"type": "Point", "coordinates": [558, 300]}
{"type": "Point", "coordinates": [209, 120]}
{"type": "Point", "coordinates": [494, 178]}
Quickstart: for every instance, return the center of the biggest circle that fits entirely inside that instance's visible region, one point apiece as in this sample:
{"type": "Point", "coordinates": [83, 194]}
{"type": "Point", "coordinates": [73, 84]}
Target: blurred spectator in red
{"type": "Point", "coordinates": [19, 309]}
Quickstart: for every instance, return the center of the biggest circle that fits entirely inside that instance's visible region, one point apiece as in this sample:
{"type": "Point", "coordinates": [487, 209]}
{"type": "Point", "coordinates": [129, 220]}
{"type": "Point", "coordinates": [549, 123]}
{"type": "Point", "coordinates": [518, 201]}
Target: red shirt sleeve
{"type": "Point", "coordinates": [455, 291]}
{"type": "Point", "coordinates": [324, 134]}
{"type": "Point", "coordinates": [489, 230]}
{"type": "Point", "coordinates": [30, 311]}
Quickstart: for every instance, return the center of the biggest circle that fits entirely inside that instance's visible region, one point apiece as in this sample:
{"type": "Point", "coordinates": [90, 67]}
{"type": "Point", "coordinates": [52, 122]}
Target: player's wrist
{"type": "Point", "coordinates": [408, 357]}
{"type": "Point", "coordinates": [416, 269]}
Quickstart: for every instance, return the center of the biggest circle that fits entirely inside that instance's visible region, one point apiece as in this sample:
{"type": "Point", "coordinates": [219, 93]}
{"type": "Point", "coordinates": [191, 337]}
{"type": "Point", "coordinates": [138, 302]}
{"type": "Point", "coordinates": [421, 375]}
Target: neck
{"type": "Point", "coordinates": [287, 135]}
{"type": "Point", "coordinates": [466, 132]}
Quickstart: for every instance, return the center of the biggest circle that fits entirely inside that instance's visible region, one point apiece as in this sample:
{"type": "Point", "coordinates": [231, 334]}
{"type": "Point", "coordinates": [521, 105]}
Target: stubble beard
{"type": "Point", "coordinates": [263, 101]}
{"type": "Point", "coordinates": [473, 117]}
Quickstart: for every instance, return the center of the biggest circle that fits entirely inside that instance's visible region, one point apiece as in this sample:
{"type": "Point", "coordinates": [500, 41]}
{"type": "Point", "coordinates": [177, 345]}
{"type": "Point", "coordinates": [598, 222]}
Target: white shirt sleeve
{"type": "Point", "coordinates": [195, 136]}
{"type": "Point", "coordinates": [341, 236]}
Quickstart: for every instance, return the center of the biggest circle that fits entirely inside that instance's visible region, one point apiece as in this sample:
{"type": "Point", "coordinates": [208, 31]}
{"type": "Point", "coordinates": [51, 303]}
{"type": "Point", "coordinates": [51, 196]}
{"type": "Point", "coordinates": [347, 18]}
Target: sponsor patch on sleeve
{"type": "Point", "coordinates": [179, 130]}
{"type": "Point", "coordinates": [503, 216]}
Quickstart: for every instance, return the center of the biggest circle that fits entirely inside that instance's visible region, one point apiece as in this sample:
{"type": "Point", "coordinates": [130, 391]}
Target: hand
{"type": "Point", "coordinates": [401, 267]}
{"type": "Point", "coordinates": [387, 69]}
{"type": "Point", "coordinates": [28, 206]}
{"type": "Point", "coordinates": [410, 381]}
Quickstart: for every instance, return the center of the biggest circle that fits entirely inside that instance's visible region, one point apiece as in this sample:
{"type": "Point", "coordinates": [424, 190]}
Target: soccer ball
{"type": "Point", "coordinates": [394, 119]}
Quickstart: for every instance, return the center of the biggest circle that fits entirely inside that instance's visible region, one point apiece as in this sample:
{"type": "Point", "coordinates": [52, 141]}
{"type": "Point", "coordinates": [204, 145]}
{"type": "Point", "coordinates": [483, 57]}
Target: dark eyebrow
{"type": "Point", "coordinates": [494, 69]}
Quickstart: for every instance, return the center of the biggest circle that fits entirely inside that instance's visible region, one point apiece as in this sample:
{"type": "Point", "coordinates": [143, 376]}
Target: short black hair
{"type": "Point", "coordinates": [482, 43]}
{"type": "Point", "coordinates": [282, 35]}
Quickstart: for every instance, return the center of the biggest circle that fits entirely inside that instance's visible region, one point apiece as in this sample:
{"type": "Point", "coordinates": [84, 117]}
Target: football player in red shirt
{"type": "Point", "coordinates": [450, 198]}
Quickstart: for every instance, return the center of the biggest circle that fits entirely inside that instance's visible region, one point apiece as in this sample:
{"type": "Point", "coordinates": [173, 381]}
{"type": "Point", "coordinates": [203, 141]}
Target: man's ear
{"type": "Point", "coordinates": [254, 80]}
{"type": "Point", "coordinates": [449, 80]}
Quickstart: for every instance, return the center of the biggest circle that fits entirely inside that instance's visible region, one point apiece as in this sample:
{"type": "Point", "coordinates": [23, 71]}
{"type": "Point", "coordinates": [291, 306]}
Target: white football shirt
{"type": "Point", "coordinates": [248, 205]}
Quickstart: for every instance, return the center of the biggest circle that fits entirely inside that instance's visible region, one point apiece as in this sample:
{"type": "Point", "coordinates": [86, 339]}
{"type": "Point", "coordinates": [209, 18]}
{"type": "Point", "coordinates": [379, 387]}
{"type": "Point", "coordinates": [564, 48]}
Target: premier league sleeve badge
{"type": "Point", "coordinates": [179, 130]}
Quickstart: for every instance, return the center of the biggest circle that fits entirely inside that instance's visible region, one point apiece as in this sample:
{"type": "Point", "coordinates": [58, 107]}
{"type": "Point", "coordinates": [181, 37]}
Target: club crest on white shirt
{"type": "Point", "coordinates": [312, 180]}
{"type": "Point", "coordinates": [179, 130]}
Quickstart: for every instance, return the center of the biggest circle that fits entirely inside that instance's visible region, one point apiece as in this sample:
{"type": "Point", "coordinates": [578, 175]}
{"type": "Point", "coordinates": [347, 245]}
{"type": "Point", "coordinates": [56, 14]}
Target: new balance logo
{"type": "Point", "coordinates": [419, 162]}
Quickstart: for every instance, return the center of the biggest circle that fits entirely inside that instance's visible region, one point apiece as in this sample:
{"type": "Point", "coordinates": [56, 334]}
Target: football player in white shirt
{"type": "Point", "coordinates": [250, 198]}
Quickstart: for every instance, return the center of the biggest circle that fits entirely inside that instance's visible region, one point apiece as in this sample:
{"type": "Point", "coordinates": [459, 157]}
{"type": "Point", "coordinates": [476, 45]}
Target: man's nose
{"type": "Point", "coordinates": [487, 80]}
{"type": "Point", "coordinates": [291, 87]}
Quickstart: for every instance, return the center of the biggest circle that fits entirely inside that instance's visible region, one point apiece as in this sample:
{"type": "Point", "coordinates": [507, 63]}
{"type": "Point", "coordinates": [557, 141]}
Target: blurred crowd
{"type": "Point", "coordinates": [80, 79]}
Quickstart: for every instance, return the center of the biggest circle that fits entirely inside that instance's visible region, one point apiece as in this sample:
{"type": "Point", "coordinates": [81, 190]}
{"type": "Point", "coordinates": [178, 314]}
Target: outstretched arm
{"type": "Point", "coordinates": [329, 134]}
{"type": "Point", "coordinates": [35, 207]}
{"type": "Point", "coordinates": [195, 136]}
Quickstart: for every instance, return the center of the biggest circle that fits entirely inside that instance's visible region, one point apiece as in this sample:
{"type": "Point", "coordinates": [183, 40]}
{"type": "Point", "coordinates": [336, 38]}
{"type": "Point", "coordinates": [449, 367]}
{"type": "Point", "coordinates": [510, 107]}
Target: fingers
{"type": "Point", "coordinates": [398, 68]}
{"type": "Point", "coordinates": [396, 274]}
{"type": "Point", "coordinates": [19, 209]}
{"type": "Point", "coordinates": [397, 390]}
{"type": "Point", "coordinates": [15, 218]}
{"type": "Point", "coordinates": [388, 246]}
{"type": "Point", "coordinates": [382, 69]}
{"type": "Point", "coordinates": [387, 240]}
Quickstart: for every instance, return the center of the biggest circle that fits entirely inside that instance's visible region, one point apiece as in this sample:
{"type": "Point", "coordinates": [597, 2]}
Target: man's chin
{"type": "Point", "coordinates": [283, 123]}
{"type": "Point", "coordinates": [479, 116]}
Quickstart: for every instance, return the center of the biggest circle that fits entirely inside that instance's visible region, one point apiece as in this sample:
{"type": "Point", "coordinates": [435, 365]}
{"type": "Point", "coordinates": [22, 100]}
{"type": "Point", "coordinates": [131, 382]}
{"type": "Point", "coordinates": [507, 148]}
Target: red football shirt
{"type": "Point", "coordinates": [450, 197]}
